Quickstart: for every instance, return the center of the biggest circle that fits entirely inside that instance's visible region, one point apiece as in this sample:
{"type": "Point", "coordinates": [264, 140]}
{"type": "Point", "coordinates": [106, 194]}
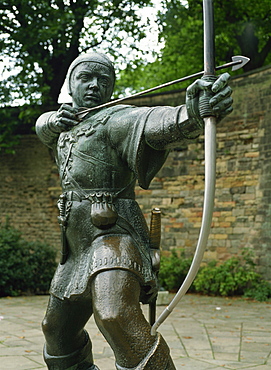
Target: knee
{"type": "Point", "coordinates": [53, 326]}
{"type": "Point", "coordinates": [108, 319]}
{"type": "Point", "coordinates": [45, 326]}
{"type": "Point", "coordinates": [117, 318]}
{"type": "Point", "coordinates": [48, 327]}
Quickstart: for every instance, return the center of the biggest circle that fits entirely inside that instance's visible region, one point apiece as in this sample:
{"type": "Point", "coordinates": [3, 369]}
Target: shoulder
{"type": "Point", "coordinates": [121, 114]}
{"type": "Point", "coordinates": [123, 109]}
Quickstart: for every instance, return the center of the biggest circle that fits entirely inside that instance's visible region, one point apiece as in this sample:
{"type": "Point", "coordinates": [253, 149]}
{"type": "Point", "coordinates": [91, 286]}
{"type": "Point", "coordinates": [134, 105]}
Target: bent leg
{"type": "Point", "coordinates": [117, 312]}
{"type": "Point", "coordinates": [67, 343]}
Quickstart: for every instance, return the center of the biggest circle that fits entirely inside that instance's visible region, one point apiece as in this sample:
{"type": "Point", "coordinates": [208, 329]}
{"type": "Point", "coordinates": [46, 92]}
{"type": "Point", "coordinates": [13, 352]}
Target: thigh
{"type": "Point", "coordinates": [64, 322]}
{"type": "Point", "coordinates": [115, 291]}
{"type": "Point", "coordinates": [63, 312]}
{"type": "Point", "coordinates": [118, 314]}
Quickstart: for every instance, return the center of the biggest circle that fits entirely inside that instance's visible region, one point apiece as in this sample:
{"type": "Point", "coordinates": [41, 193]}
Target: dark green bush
{"type": "Point", "coordinates": [261, 291]}
{"type": "Point", "coordinates": [25, 267]}
{"type": "Point", "coordinates": [236, 276]}
{"type": "Point", "coordinates": [173, 270]}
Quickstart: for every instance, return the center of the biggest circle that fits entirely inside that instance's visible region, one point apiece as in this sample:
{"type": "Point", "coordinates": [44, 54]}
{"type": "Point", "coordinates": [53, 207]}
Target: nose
{"type": "Point", "coordinates": [93, 83]}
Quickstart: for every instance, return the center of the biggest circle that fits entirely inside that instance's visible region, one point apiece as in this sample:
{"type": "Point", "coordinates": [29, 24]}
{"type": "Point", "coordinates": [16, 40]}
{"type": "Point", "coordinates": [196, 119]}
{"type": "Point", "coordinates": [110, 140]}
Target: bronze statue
{"type": "Point", "coordinates": [106, 266]}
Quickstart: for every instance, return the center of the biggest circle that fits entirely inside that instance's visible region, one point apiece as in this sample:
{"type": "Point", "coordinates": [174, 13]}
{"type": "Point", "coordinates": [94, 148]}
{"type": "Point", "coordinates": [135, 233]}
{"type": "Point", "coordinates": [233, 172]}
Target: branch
{"type": "Point", "coordinates": [93, 45]}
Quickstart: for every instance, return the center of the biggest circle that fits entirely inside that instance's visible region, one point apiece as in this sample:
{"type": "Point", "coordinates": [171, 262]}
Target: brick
{"type": "Point", "coordinates": [252, 154]}
{"type": "Point", "coordinates": [220, 236]}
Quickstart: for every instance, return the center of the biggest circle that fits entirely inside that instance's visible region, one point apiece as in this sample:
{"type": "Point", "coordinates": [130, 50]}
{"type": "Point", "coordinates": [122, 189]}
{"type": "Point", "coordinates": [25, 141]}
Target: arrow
{"type": "Point", "coordinates": [237, 63]}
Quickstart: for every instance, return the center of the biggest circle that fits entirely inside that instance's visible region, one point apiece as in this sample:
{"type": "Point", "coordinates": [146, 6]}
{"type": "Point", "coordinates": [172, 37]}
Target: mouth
{"type": "Point", "coordinates": [93, 97]}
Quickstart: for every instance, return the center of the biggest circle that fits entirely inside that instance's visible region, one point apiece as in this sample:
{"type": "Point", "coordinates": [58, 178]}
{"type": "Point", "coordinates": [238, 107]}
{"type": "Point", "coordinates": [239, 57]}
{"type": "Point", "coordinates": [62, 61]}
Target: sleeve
{"type": "Point", "coordinates": [168, 127]}
{"type": "Point", "coordinates": [44, 130]}
{"type": "Point", "coordinates": [143, 137]}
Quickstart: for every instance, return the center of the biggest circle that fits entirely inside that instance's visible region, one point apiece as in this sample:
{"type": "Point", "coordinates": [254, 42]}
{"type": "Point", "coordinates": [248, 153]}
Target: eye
{"type": "Point", "coordinates": [104, 81]}
{"type": "Point", "coordinates": [84, 78]}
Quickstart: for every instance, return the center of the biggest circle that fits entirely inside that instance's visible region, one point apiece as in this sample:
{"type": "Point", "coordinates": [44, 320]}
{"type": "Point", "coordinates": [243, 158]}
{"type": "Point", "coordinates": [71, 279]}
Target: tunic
{"type": "Point", "coordinates": [99, 162]}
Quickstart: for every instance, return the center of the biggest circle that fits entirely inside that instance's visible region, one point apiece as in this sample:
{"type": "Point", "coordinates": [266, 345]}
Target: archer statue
{"type": "Point", "coordinates": [107, 267]}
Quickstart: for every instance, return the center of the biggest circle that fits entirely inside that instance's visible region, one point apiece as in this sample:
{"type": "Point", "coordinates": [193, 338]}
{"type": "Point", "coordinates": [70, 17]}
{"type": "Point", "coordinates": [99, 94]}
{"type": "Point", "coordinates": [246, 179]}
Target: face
{"type": "Point", "coordinates": [91, 84]}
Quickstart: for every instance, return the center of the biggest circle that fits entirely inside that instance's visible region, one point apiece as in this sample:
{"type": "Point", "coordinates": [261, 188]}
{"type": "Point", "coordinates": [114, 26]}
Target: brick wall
{"type": "Point", "coordinates": [242, 215]}
{"type": "Point", "coordinates": [27, 198]}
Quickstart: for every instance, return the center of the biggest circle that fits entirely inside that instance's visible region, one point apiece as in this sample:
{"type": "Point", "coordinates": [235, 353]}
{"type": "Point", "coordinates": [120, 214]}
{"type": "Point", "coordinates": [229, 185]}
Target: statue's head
{"type": "Point", "coordinates": [91, 79]}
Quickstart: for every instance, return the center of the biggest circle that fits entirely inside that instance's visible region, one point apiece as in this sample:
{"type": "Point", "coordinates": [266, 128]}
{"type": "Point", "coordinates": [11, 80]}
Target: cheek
{"type": "Point", "coordinates": [79, 90]}
{"type": "Point", "coordinates": [106, 91]}
{"type": "Point", "coordinates": [103, 90]}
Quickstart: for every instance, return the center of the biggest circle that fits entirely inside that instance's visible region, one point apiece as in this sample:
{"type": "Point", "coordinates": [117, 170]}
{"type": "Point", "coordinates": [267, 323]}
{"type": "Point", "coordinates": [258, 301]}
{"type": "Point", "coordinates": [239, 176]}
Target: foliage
{"type": "Point", "coordinates": [261, 291]}
{"type": "Point", "coordinates": [8, 125]}
{"type": "Point", "coordinates": [173, 270]}
{"type": "Point", "coordinates": [54, 32]}
{"type": "Point", "coordinates": [15, 121]}
{"type": "Point", "coordinates": [241, 28]}
{"type": "Point", "coordinates": [25, 267]}
{"type": "Point", "coordinates": [236, 276]}
{"type": "Point", "coordinates": [245, 28]}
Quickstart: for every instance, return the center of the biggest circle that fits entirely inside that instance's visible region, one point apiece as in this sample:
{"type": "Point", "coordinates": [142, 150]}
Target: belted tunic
{"type": "Point", "coordinates": [99, 162]}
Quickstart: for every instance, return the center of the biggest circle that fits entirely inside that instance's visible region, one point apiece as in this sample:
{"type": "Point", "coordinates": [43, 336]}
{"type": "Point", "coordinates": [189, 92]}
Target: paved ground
{"type": "Point", "coordinates": [203, 333]}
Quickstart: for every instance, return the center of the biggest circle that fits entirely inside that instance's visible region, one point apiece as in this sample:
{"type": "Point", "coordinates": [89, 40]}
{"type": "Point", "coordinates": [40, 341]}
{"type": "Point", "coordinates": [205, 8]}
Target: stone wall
{"type": "Point", "coordinates": [242, 216]}
{"type": "Point", "coordinates": [27, 199]}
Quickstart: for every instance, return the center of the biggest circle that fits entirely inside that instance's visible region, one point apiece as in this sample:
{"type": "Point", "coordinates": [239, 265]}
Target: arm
{"type": "Point", "coordinates": [50, 124]}
{"type": "Point", "coordinates": [44, 130]}
{"type": "Point", "coordinates": [167, 127]}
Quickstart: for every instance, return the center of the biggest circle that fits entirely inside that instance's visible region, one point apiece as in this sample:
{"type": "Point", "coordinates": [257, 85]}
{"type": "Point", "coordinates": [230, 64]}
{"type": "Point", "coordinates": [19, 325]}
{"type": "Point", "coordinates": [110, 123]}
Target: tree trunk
{"type": "Point", "coordinates": [249, 45]}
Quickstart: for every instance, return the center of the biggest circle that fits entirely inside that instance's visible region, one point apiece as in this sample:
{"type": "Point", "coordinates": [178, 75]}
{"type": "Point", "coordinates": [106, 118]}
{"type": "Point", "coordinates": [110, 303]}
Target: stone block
{"type": "Point", "coordinates": [163, 298]}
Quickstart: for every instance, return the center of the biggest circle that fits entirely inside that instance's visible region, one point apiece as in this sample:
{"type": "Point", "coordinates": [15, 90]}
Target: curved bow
{"type": "Point", "coordinates": [210, 169]}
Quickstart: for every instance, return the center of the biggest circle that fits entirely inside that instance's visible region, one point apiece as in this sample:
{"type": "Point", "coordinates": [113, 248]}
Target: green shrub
{"type": "Point", "coordinates": [261, 291]}
{"type": "Point", "coordinates": [25, 267]}
{"type": "Point", "coordinates": [236, 276]}
{"type": "Point", "coordinates": [173, 270]}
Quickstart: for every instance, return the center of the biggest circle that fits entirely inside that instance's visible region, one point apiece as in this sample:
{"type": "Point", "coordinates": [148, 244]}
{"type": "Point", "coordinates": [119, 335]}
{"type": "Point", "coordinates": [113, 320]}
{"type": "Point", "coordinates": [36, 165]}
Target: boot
{"type": "Point", "coordinates": [81, 359]}
{"type": "Point", "coordinates": [158, 358]}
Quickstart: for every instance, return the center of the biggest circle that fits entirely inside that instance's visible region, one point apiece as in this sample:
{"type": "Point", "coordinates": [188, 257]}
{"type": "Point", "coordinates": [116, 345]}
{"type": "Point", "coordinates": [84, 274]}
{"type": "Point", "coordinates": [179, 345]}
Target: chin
{"type": "Point", "coordinates": [91, 104]}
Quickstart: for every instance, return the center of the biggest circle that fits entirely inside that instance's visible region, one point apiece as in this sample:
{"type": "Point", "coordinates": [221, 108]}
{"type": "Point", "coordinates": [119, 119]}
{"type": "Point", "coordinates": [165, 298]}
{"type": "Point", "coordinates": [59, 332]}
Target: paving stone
{"type": "Point", "coordinates": [202, 332]}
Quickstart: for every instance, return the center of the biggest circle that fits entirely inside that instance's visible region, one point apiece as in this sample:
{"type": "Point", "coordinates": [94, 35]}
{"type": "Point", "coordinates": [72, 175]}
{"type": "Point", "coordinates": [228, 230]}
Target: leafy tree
{"type": "Point", "coordinates": [42, 37]}
{"type": "Point", "coordinates": [241, 28]}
